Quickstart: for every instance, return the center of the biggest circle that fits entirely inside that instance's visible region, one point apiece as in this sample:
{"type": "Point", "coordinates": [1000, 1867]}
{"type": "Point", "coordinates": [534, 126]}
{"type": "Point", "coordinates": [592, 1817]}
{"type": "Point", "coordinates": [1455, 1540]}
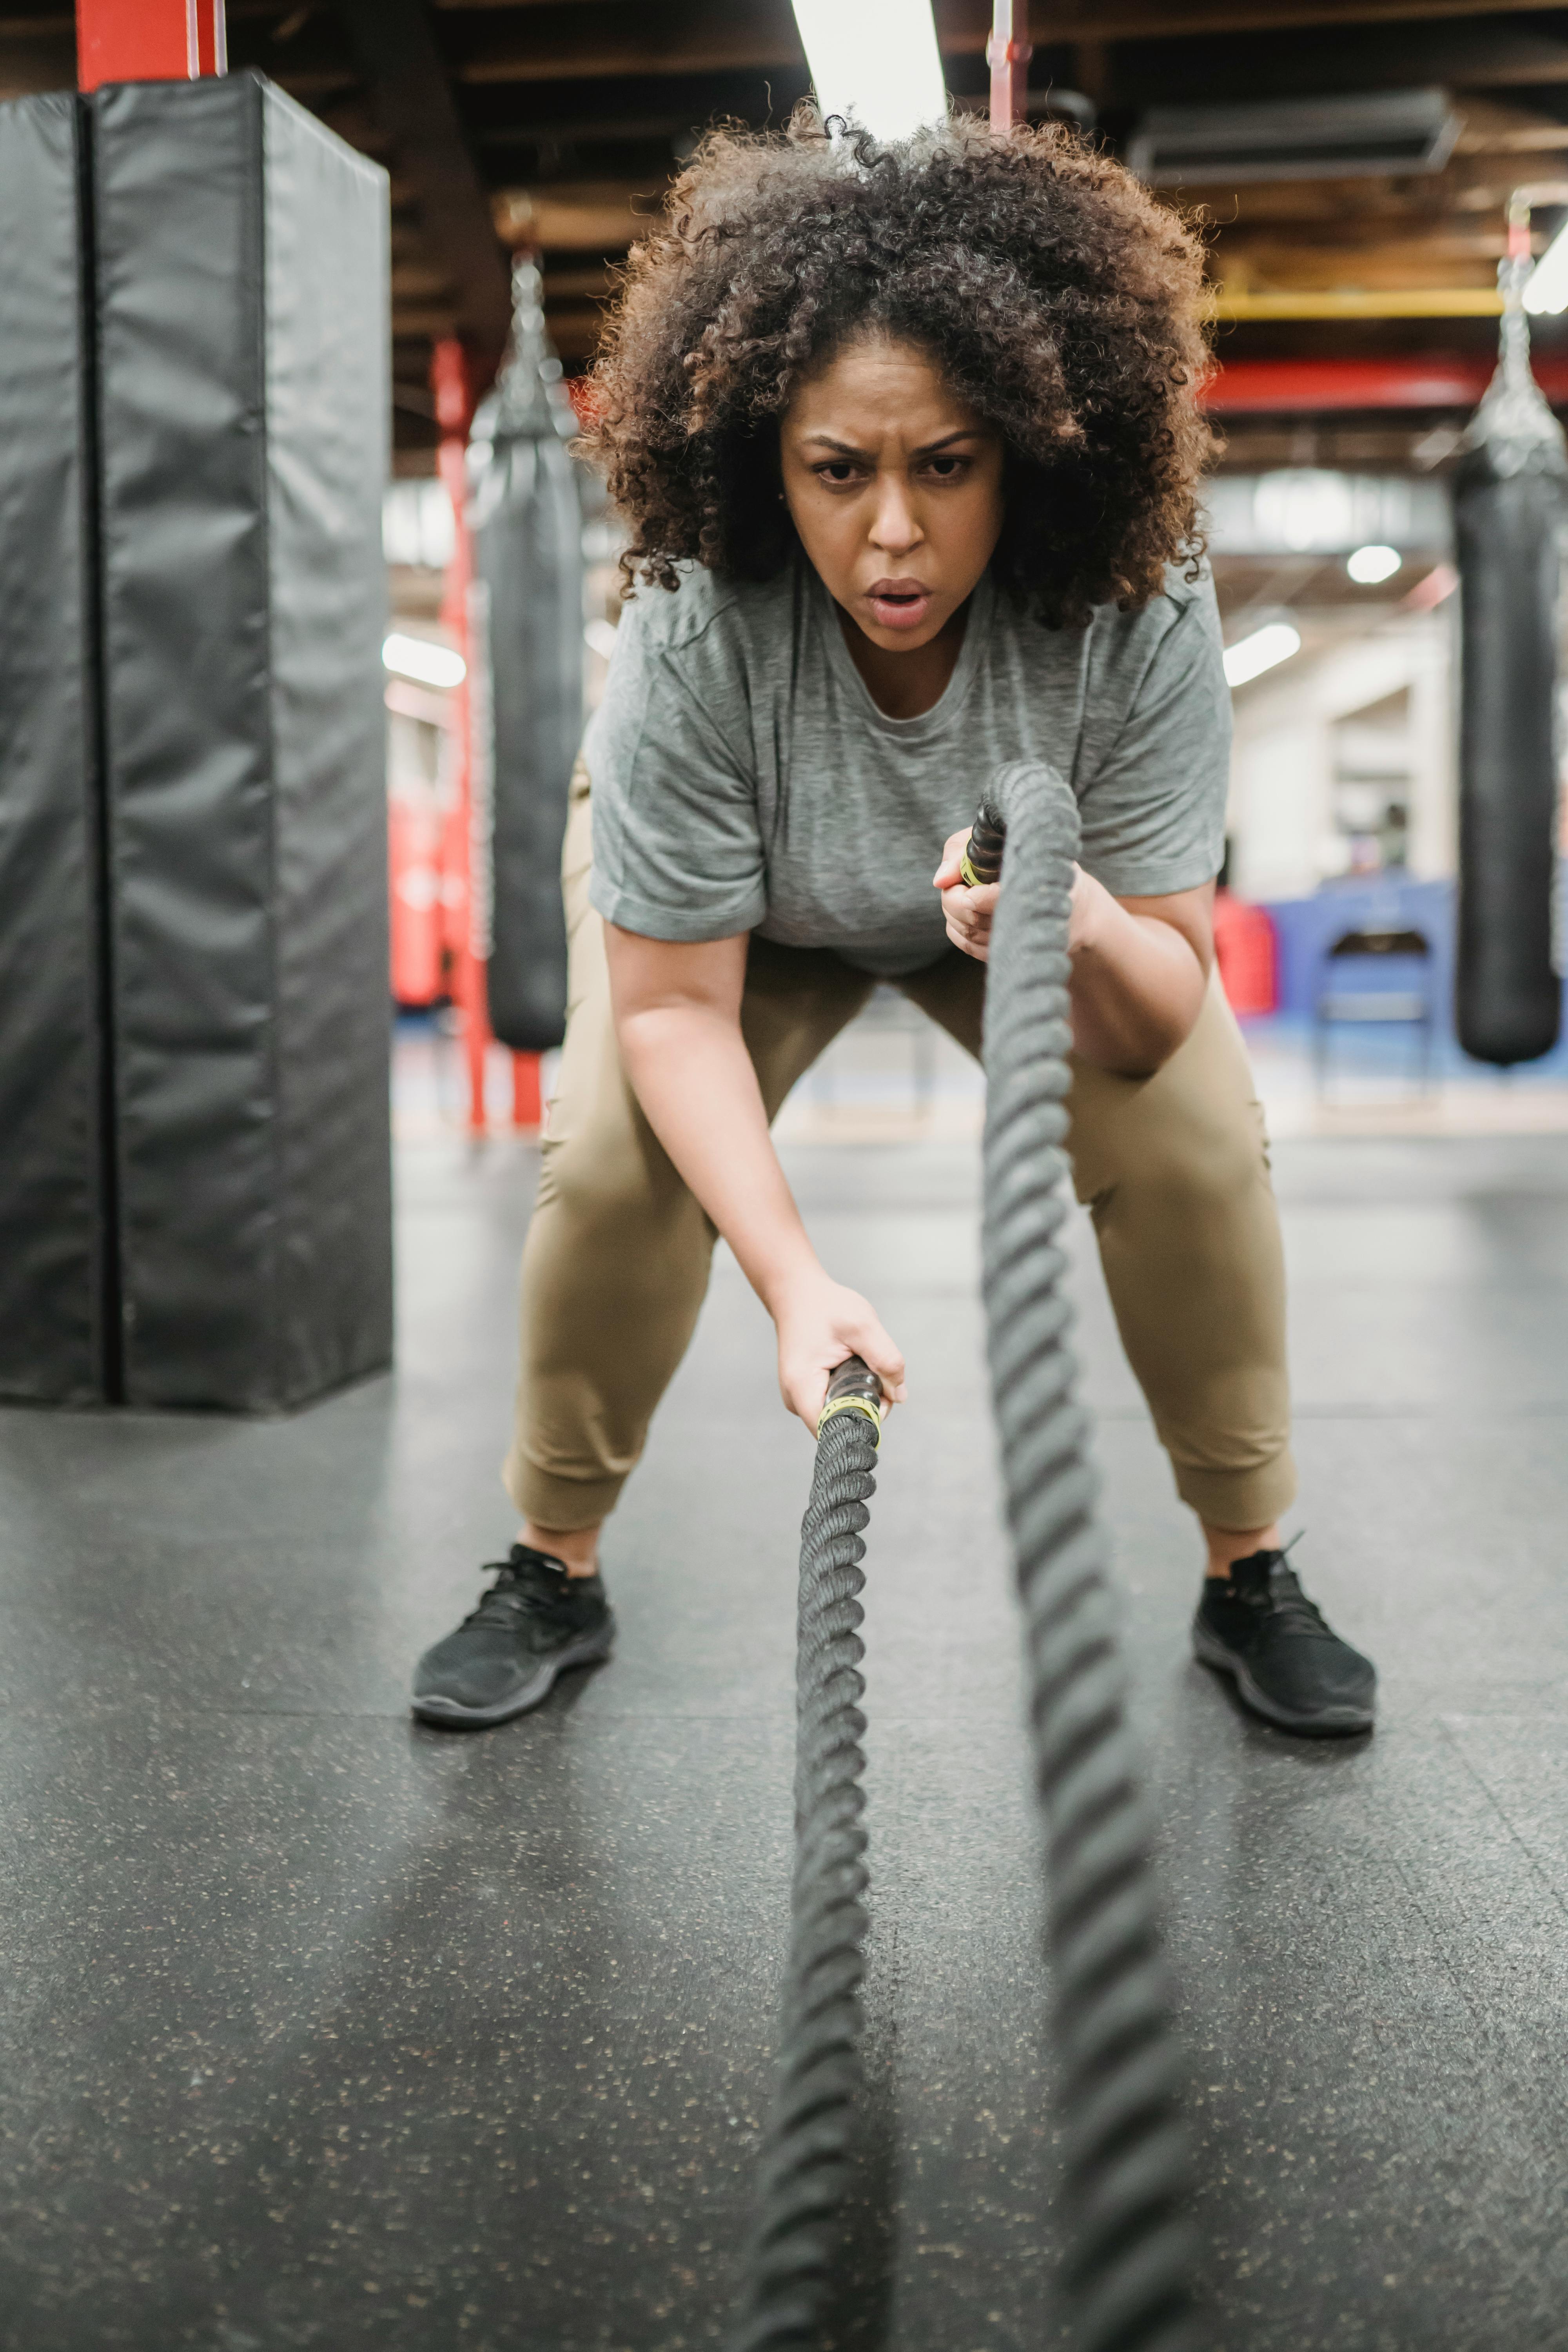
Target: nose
{"type": "Point", "coordinates": [895, 527]}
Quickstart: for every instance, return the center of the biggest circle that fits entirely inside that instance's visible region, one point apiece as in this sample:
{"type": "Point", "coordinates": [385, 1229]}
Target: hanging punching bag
{"type": "Point", "coordinates": [1509, 509]}
{"type": "Point", "coordinates": [526, 689]}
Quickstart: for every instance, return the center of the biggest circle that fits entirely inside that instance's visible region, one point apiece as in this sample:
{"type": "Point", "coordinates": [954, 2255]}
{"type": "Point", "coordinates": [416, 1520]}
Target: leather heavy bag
{"type": "Point", "coordinates": [526, 697]}
{"type": "Point", "coordinates": [1508, 511]}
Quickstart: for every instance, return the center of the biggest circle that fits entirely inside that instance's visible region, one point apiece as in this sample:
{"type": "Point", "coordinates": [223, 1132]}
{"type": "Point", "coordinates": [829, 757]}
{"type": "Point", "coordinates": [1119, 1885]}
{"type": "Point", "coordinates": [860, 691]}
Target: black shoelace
{"type": "Point", "coordinates": [512, 1595]}
{"type": "Point", "coordinates": [1289, 1606]}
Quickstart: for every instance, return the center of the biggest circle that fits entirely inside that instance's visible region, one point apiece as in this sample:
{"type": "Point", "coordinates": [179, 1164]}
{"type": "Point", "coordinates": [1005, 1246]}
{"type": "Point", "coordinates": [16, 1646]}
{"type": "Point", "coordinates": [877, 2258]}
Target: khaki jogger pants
{"type": "Point", "coordinates": [1174, 1167]}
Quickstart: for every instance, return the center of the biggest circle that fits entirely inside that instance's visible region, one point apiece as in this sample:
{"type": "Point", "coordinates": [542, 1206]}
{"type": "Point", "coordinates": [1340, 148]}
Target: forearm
{"type": "Point", "coordinates": [1137, 989]}
{"type": "Point", "coordinates": [689, 1066]}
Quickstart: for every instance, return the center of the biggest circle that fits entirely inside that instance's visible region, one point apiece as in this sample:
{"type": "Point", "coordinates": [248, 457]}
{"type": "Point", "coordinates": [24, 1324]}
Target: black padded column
{"type": "Point", "coordinates": [56, 1313]}
{"type": "Point", "coordinates": [242, 314]}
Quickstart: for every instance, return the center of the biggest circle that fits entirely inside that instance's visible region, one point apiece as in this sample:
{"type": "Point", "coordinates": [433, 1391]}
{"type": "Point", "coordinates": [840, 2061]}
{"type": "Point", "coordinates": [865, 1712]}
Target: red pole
{"type": "Point", "coordinates": [451, 385]}
{"type": "Point", "coordinates": [527, 1099]}
{"type": "Point", "coordinates": [1007, 53]}
{"type": "Point", "coordinates": [149, 40]}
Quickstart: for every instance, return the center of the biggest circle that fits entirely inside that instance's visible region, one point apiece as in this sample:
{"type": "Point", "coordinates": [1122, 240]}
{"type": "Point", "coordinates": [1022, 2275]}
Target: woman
{"type": "Point", "coordinates": [906, 444]}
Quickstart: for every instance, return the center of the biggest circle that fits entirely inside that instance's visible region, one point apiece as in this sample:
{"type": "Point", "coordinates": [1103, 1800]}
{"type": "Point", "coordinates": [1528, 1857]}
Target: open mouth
{"type": "Point", "coordinates": [899, 603]}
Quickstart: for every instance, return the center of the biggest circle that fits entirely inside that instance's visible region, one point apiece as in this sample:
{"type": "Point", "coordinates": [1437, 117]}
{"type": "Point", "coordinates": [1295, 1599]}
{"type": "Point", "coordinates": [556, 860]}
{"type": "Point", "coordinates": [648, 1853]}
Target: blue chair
{"type": "Point", "coordinates": [1378, 960]}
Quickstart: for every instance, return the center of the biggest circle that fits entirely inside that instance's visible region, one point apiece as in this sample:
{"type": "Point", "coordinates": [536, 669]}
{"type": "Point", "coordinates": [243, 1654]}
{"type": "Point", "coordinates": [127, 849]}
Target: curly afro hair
{"type": "Point", "coordinates": [1060, 301]}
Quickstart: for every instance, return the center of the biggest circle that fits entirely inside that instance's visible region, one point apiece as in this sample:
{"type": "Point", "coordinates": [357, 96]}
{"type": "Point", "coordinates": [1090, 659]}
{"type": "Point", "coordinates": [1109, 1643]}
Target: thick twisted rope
{"type": "Point", "coordinates": [1125, 2267]}
{"type": "Point", "coordinates": [798, 2237]}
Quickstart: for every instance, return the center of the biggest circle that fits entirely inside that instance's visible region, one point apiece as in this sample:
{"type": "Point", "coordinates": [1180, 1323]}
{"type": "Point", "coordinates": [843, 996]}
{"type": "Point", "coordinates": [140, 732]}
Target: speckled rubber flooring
{"type": "Point", "coordinates": [320, 2028]}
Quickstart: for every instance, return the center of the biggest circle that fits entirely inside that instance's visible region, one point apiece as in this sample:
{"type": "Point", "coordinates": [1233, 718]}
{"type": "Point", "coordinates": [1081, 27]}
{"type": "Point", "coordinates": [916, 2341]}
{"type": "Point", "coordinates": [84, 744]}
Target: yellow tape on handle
{"type": "Point", "coordinates": [853, 1388]}
{"type": "Point", "coordinates": [852, 1404]}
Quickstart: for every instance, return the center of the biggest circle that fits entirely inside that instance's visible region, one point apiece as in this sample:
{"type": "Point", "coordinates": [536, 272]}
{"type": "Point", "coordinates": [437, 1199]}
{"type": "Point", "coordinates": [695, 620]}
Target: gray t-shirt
{"type": "Point", "coordinates": [743, 780]}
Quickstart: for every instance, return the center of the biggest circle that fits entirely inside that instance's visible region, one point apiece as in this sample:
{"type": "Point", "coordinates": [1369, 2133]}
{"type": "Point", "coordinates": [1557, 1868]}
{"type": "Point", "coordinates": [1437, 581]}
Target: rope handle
{"type": "Point", "coordinates": [981, 860]}
{"type": "Point", "coordinates": [854, 1388]}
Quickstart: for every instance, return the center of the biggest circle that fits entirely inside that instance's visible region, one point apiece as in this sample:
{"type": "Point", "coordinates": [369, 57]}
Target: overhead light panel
{"type": "Point", "coordinates": [1368, 565]}
{"type": "Point", "coordinates": [1264, 649]}
{"type": "Point", "coordinates": [1363, 133]}
{"type": "Point", "coordinates": [1546, 288]}
{"type": "Point", "coordinates": [425, 663]}
{"type": "Point", "coordinates": [876, 61]}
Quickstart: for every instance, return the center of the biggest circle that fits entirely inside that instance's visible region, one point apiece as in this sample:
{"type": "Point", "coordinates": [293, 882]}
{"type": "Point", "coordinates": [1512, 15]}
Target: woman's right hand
{"type": "Point", "coordinates": [819, 1325]}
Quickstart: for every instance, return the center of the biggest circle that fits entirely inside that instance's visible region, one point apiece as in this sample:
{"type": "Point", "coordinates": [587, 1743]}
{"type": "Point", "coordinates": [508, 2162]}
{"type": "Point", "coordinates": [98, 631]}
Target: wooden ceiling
{"type": "Point", "coordinates": [559, 123]}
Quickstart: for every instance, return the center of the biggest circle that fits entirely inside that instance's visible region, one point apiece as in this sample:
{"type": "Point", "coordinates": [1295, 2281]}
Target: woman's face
{"type": "Point", "coordinates": [895, 486]}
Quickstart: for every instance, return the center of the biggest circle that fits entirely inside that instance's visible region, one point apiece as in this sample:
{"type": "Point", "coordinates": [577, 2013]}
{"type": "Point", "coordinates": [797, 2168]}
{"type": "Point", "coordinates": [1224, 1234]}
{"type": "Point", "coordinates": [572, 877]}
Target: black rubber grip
{"type": "Point", "coordinates": [854, 1377]}
{"type": "Point", "coordinates": [987, 839]}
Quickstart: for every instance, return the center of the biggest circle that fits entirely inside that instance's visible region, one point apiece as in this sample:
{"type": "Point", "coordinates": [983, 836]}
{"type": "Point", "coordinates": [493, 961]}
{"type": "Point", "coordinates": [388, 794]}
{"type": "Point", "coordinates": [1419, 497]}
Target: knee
{"type": "Point", "coordinates": [609, 1185]}
{"type": "Point", "coordinates": [1202, 1159]}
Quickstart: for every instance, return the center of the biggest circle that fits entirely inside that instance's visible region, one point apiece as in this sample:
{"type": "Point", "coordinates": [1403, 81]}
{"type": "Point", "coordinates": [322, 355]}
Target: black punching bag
{"type": "Point", "coordinates": [526, 691]}
{"type": "Point", "coordinates": [1509, 509]}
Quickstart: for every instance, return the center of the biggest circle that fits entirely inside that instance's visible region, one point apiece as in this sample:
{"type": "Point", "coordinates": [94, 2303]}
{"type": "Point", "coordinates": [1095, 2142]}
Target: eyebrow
{"type": "Point", "coordinates": [926, 449]}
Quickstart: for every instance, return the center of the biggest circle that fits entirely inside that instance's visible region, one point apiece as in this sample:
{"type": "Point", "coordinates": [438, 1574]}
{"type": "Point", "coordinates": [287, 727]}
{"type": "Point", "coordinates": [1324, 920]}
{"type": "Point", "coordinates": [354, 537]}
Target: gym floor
{"type": "Point", "coordinates": [323, 2029]}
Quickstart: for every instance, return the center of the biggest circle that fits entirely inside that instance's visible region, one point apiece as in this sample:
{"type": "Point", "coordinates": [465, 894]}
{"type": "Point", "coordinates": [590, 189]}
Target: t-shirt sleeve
{"type": "Point", "coordinates": [677, 848]}
{"type": "Point", "coordinates": [1153, 805]}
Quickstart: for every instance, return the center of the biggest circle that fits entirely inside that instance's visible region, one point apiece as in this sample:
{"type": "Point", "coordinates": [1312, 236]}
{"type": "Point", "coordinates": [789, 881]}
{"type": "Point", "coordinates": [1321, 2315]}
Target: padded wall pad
{"type": "Point", "coordinates": [52, 1286]}
{"type": "Point", "coordinates": [242, 300]}
{"type": "Point", "coordinates": [528, 559]}
{"type": "Point", "coordinates": [1508, 1000]}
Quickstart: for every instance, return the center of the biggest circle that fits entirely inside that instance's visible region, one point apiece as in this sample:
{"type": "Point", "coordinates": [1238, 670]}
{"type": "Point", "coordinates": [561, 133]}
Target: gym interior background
{"type": "Point", "coordinates": [321, 2027]}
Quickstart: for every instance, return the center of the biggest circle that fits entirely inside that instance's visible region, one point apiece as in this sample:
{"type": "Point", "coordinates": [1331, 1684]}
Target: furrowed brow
{"type": "Point", "coordinates": [926, 449]}
{"type": "Point", "coordinates": [931, 448]}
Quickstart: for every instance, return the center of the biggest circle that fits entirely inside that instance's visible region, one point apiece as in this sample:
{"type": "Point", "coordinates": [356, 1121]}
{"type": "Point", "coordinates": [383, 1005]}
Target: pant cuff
{"type": "Point", "coordinates": [551, 1501]}
{"type": "Point", "coordinates": [1239, 1498]}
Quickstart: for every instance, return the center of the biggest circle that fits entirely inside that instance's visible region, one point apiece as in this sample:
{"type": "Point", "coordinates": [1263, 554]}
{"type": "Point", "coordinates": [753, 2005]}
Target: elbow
{"type": "Point", "coordinates": [1141, 1048]}
{"type": "Point", "coordinates": [1167, 1036]}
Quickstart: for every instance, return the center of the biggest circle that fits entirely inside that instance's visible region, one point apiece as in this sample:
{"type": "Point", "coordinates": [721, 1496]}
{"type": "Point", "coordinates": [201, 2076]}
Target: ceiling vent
{"type": "Point", "coordinates": [1295, 139]}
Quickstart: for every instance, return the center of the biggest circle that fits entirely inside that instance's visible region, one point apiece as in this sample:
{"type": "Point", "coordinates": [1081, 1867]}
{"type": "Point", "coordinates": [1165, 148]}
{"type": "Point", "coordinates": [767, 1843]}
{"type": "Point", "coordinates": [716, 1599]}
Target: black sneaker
{"type": "Point", "coordinates": [1289, 1666]}
{"type": "Point", "coordinates": [533, 1622]}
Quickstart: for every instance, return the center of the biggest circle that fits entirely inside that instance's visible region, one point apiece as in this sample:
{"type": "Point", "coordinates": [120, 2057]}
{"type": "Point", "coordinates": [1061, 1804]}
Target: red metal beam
{"type": "Point", "coordinates": [149, 40]}
{"type": "Point", "coordinates": [1304, 388]}
{"type": "Point", "coordinates": [1007, 53]}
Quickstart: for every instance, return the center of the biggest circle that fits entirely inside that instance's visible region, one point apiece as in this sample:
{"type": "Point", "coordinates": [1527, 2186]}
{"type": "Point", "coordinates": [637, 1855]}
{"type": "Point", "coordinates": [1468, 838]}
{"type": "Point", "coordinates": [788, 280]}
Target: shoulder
{"type": "Point", "coordinates": [1168, 653]}
{"type": "Point", "coordinates": [1184, 611]}
{"type": "Point", "coordinates": [689, 667]}
{"type": "Point", "coordinates": [707, 616]}
{"type": "Point", "coordinates": [1117, 648]}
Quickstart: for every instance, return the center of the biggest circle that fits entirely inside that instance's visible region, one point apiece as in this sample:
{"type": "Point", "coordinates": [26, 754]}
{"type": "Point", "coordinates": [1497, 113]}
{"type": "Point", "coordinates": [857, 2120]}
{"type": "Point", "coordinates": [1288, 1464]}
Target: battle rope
{"type": "Point", "coordinates": [1126, 2249]}
{"type": "Point", "coordinates": [1125, 2272]}
{"type": "Point", "coordinates": [805, 2159]}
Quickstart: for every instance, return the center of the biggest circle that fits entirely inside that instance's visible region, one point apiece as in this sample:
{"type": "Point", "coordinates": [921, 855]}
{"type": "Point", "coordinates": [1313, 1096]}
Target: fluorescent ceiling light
{"type": "Point", "coordinates": [1546, 288]}
{"type": "Point", "coordinates": [1368, 565]}
{"type": "Point", "coordinates": [874, 60]}
{"type": "Point", "coordinates": [1250, 657]}
{"type": "Point", "coordinates": [426, 664]}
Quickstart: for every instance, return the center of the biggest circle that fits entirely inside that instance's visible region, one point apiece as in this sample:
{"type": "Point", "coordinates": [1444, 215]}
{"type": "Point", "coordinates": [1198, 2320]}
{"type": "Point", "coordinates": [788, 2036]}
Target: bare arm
{"type": "Point", "coordinates": [1139, 966]}
{"type": "Point", "coordinates": [678, 1022]}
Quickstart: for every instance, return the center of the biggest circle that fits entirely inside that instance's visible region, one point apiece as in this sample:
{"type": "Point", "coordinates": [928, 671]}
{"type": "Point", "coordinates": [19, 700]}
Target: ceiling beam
{"type": "Point", "coordinates": [411, 97]}
{"type": "Point", "coordinates": [571, 40]}
{"type": "Point", "coordinates": [963, 25]}
{"type": "Point", "coordinates": [589, 216]}
{"type": "Point", "coordinates": [1356, 302]}
{"type": "Point", "coordinates": [1463, 57]}
{"type": "Point", "coordinates": [580, 40]}
{"type": "Point", "coordinates": [1153, 20]}
{"type": "Point", "coordinates": [47, 61]}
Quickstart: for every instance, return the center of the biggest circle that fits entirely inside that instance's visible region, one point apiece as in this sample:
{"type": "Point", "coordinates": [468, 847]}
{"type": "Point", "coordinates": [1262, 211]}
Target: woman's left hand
{"type": "Point", "coordinates": [968, 913]}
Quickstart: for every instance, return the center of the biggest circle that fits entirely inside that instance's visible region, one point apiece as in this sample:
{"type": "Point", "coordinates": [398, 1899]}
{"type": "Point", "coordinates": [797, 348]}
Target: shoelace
{"type": "Point", "coordinates": [511, 1596]}
{"type": "Point", "coordinates": [1289, 1606]}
